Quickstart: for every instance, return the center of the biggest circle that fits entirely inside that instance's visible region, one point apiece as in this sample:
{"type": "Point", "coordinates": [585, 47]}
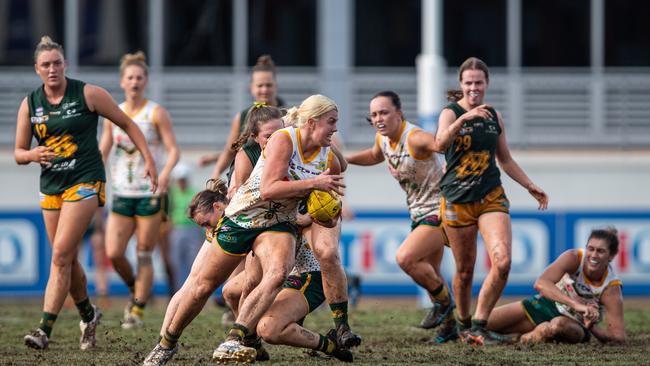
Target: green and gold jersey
{"type": "Point", "coordinates": [70, 129]}
{"type": "Point", "coordinates": [472, 171]}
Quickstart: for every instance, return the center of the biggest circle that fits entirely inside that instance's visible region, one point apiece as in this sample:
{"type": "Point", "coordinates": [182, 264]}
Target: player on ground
{"type": "Point", "coordinates": [410, 154]}
{"type": "Point", "coordinates": [574, 293]}
{"type": "Point", "coordinates": [135, 208]}
{"type": "Point", "coordinates": [473, 135]}
{"type": "Point", "coordinates": [62, 115]}
{"type": "Point", "coordinates": [302, 293]}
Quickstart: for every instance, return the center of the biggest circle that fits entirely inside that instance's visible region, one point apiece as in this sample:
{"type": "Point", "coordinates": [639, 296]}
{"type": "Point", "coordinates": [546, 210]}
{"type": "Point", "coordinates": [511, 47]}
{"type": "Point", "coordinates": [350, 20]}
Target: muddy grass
{"type": "Point", "coordinates": [386, 326]}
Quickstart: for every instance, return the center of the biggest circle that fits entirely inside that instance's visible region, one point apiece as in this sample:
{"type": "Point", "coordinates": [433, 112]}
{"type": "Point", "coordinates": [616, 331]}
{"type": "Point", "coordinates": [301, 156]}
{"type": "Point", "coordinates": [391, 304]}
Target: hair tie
{"type": "Point", "coordinates": [258, 105]}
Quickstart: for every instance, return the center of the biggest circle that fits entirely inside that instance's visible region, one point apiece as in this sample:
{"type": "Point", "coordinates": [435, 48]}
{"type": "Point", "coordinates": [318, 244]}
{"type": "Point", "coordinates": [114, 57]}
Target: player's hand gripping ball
{"type": "Point", "coordinates": [323, 206]}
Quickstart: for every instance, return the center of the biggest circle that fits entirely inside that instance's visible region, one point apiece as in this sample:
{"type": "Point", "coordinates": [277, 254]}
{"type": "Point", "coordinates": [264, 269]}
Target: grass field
{"type": "Point", "coordinates": [386, 325]}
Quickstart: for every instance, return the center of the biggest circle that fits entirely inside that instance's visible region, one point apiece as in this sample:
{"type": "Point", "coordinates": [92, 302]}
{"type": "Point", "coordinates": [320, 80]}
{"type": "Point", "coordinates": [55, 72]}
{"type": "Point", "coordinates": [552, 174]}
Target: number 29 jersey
{"type": "Point", "coordinates": [472, 171]}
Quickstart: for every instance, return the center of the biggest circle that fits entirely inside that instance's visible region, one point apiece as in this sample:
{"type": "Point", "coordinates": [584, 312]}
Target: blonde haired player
{"type": "Point", "coordinates": [261, 217]}
{"type": "Point", "coordinates": [134, 207]}
{"type": "Point", "coordinates": [62, 115]}
{"type": "Point", "coordinates": [410, 155]}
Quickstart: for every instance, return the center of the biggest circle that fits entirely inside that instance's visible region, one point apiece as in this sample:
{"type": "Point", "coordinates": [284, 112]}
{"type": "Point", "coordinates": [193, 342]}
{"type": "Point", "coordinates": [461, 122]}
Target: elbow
{"type": "Point", "coordinates": [538, 286]}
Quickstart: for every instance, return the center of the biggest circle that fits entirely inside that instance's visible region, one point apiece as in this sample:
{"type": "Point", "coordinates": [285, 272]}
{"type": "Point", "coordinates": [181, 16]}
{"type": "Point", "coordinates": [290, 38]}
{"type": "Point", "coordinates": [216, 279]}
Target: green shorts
{"type": "Point", "coordinates": [236, 240]}
{"type": "Point", "coordinates": [140, 206]}
{"type": "Point", "coordinates": [433, 221]}
{"type": "Point", "coordinates": [310, 285]}
{"type": "Point", "coordinates": [539, 309]}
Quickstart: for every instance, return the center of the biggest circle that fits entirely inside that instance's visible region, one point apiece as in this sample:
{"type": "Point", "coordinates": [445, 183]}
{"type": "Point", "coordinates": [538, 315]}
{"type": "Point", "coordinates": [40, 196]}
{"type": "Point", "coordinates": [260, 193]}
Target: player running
{"type": "Point", "coordinates": [410, 156]}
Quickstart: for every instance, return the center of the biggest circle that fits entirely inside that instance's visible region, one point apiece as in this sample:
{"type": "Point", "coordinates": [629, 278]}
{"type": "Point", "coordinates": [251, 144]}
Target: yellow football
{"type": "Point", "coordinates": [323, 206]}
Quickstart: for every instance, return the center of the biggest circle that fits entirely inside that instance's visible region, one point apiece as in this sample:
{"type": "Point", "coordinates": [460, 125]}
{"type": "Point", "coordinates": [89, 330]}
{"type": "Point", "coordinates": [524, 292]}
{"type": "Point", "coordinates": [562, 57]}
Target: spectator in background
{"type": "Point", "coordinates": [185, 234]}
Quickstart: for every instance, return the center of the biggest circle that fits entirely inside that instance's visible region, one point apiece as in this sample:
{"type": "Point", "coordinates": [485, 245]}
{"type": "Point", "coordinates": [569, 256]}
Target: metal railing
{"type": "Point", "coordinates": [542, 108]}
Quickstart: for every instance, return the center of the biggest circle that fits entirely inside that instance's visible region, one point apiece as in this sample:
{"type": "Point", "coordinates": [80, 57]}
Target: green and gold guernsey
{"type": "Point", "coordinates": [471, 159]}
{"type": "Point", "coordinates": [70, 129]}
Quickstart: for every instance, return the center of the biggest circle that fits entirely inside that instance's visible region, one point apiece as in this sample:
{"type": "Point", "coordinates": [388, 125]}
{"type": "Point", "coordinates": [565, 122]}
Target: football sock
{"type": "Point", "coordinates": [463, 324]}
{"type": "Point", "coordinates": [86, 310]}
{"type": "Point", "coordinates": [169, 340]}
{"type": "Point", "coordinates": [325, 345]}
{"type": "Point", "coordinates": [237, 332]}
{"type": "Point", "coordinates": [340, 313]}
{"type": "Point", "coordinates": [478, 323]}
{"type": "Point", "coordinates": [138, 308]}
{"type": "Point", "coordinates": [47, 322]}
{"type": "Point", "coordinates": [441, 295]}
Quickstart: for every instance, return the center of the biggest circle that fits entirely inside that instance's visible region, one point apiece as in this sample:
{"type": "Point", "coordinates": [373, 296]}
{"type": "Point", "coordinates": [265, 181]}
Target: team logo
{"type": "Point", "coordinates": [41, 119]}
{"type": "Point", "coordinates": [68, 105]}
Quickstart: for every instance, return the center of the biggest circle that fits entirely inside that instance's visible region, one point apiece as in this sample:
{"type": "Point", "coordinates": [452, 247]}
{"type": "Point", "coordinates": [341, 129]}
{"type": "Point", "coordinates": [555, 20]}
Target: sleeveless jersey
{"type": "Point", "coordinates": [127, 164]}
{"type": "Point", "coordinates": [305, 259]}
{"type": "Point", "coordinates": [253, 150]}
{"type": "Point", "coordinates": [70, 129]}
{"type": "Point", "coordinates": [472, 171]}
{"type": "Point", "coordinates": [577, 284]}
{"type": "Point", "coordinates": [419, 178]}
{"type": "Point", "coordinates": [248, 210]}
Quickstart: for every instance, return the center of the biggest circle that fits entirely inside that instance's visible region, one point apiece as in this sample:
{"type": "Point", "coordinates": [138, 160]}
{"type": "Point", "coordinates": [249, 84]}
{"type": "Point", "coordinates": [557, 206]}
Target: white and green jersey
{"type": "Point", "coordinates": [248, 210]}
{"type": "Point", "coordinates": [577, 284]}
{"type": "Point", "coordinates": [418, 176]}
{"type": "Point", "coordinates": [305, 259]}
{"type": "Point", "coordinates": [127, 164]}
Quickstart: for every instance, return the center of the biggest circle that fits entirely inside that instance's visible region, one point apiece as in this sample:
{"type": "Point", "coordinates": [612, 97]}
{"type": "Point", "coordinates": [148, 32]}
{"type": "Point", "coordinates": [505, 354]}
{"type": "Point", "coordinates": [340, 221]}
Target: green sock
{"type": "Point", "coordinates": [237, 332]}
{"type": "Point", "coordinates": [463, 324]}
{"type": "Point", "coordinates": [441, 295]}
{"type": "Point", "coordinates": [47, 322]}
{"type": "Point", "coordinates": [325, 345]}
{"type": "Point", "coordinates": [169, 340]}
{"type": "Point", "coordinates": [340, 313]}
{"type": "Point", "coordinates": [478, 323]}
{"type": "Point", "coordinates": [86, 310]}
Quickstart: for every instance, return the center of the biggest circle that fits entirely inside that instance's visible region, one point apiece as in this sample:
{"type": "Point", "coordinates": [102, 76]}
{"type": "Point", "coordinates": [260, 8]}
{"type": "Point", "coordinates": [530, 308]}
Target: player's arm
{"type": "Point", "coordinates": [448, 128]}
{"type": "Point", "coordinates": [166, 132]}
{"type": "Point", "coordinates": [567, 262]}
{"type": "Point", "coordinates": [102, 103]}
{"type": "Point", "coordinates": [510, 167]}
{"type": "Point", "coordinates": [22, 152]}
{"type": "Point", "coordinates": [106, 141]}
{"type": "Point", "coordinates": [228, 153]}
{"type": "Point", "coordinates": [339, 155]}
{"type": "Point", "coordinates": [241, 171]}
{"type": "Point", "coordinates": [274, 185]}
{"type": "Point", "coordinates": [612, 300]}
{"type": "Point", "coordinates": [371, 156]}
{"type": "Point", "coordinates": [422, 144]}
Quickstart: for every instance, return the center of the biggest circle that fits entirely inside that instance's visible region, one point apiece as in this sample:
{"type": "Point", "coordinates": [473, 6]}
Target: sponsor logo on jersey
{"type": "Point", "coordinates": [68, 105]}
{"type": "Point", "coordinates": [41, 119]}
{"type": "Point", "coordinates": [39, 111]}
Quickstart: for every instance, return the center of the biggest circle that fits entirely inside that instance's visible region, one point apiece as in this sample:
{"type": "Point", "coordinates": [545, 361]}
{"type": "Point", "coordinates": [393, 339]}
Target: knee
{"type": "Point", "coordinates": [502, 266]}
{"type": "Point", "coordinates": [269, 330]}
{"type": "Point", "coordinates": [405, 261]}
{"type": "Point", "coordinates": [328, 255]}
{"type": "Point", "coordinates": [464, 273]}
{"type": "Point", "coordinates": [274, 279]}
{"type": "Point", "coordinates": [113, 254]}
{"type": "Point", "coordinates": [202, 289]}
{"type": "Point", "coordinates": [231, 296]}
{"type": "Point", "coordinates": [62, 259]}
